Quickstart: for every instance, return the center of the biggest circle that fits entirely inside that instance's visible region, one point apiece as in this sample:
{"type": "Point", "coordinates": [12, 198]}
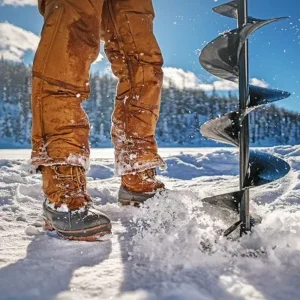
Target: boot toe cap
{"type": "Point", "coordinates": [96, 217]}
{"type": "Point", "coordinates": [83, 219]}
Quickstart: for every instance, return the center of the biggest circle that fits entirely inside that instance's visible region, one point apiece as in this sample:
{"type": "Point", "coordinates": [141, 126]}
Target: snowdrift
{"type": "Point", "coordinates": [171, 248]}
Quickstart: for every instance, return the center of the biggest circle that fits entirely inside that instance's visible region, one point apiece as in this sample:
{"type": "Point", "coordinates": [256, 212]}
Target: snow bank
{"type": "Point", "coordinates": [170, 248]}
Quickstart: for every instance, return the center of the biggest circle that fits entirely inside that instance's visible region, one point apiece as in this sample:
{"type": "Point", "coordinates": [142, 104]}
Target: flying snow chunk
{"type": "Point", "coordinates": [31, 231]}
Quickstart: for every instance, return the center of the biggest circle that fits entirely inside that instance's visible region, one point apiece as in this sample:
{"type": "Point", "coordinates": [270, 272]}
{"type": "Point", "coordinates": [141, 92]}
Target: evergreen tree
{"type": "Point", "coordinates": [183, 111]}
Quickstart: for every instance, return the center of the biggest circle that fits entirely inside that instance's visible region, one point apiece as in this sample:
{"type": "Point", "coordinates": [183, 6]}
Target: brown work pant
{"type": "Point", "coordinates": [69, 44]}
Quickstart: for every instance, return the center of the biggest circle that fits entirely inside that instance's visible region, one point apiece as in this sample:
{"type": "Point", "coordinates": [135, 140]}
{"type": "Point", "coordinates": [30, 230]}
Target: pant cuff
{"type": "Point", "coordinates": [124, 169]}
{"type": "Point", "coordinates": [71, 160]}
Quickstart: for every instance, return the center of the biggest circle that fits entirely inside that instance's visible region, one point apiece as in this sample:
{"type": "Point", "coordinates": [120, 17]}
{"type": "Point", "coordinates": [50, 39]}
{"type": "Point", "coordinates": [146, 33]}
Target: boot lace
{"type": "Point", "coordinates": [147, 175]}
{"type": "Point", "coordinates": [73, 185]}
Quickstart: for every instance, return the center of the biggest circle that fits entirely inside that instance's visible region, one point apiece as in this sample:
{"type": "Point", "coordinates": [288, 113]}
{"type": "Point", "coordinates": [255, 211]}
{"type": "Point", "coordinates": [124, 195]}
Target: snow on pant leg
{"type": "Point", "coordinates": [136, 60]}
{"type": "Point", "coordinates": [70, 42]}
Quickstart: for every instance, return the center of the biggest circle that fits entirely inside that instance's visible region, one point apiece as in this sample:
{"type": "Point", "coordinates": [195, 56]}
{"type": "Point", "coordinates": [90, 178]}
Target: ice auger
{"type": "Point", "coordinates": [227, 57]}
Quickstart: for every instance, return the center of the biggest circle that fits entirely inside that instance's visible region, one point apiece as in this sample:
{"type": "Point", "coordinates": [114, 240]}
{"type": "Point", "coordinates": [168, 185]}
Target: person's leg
{"type": "Point", "coordinates": [69, 43]}
{"type": "Point", "coordinates": [136, 60]}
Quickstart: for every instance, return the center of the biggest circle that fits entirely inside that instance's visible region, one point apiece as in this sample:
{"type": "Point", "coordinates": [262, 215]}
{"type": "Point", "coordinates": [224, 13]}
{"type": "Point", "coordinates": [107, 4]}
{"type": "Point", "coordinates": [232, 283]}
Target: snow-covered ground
{"type": "Point", "coordinates": [155, 251]}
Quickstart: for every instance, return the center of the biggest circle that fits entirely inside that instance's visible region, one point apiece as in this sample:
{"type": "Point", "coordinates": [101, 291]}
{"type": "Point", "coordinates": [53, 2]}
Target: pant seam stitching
{"type": "Point", "coordinates": [43, 71]}
{"type": "Point", "coordinates": [136, 48]}
{"type": "Point", "coordinates": [129, 65]}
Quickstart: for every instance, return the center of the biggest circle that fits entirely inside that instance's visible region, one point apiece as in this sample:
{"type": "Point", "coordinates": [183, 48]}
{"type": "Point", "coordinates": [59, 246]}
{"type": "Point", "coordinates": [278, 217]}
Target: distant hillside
{"type": "Point", "coordinates": [182, 113]}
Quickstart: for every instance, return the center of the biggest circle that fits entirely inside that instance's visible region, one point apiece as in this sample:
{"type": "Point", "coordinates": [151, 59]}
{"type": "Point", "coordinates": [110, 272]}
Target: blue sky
{"type": "Point", "coordinates": [184, 27]}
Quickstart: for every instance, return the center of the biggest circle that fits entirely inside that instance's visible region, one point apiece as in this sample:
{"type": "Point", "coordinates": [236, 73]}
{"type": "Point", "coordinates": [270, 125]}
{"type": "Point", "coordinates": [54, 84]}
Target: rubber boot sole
{"type": "Point", "coordinates": [88, 235]}
{"type": "Point", "coordinates": [127, 197]}
{"type": "Point", "coordinates": [130, 203]}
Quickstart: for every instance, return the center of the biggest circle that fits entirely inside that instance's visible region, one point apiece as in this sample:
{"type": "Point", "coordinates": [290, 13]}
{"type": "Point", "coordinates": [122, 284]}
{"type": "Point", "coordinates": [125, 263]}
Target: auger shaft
{"type": "Point", "coordinates": [244, 132]}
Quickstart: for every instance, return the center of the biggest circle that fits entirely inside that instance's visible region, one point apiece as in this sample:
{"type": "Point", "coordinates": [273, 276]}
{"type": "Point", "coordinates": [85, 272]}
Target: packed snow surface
{"type": "Point", "coordinates": [168, 249]}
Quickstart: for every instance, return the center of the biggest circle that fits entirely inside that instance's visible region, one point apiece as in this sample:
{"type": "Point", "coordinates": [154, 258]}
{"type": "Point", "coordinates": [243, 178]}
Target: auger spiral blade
{"type": "Point", "coordinates": [264, 168]}
{"type": "Point", "coordinates": [221, 56]}
{"type": "Point", "coordinates": [227, 10]}
{"type": "Point", "coordinates": [226, 128]}
{"type": "Point", "coordinates": [230, 10]}
{"type": "Point", "coordinates": [227, 57]}
{"type": "Point", "coordinates": [261, 96]}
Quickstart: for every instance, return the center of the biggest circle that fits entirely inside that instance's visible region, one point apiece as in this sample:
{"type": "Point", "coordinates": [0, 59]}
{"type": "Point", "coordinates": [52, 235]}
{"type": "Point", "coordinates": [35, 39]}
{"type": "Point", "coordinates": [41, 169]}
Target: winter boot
{"type": "Point", "coordinates": [137, 188]}
{"type": "Point", "coordinates": [68, 208]}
